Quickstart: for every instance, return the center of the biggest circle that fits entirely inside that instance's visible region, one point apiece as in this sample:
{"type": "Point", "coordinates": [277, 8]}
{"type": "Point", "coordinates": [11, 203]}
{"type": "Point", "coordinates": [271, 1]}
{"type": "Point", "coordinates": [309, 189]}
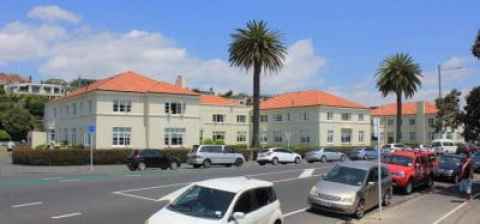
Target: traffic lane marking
{"type": "Point", "coordinates": [294, 212]}
{"type": "Point", "coordinates": [441, 219]}
{"type": "Point", "coordinates": [27, 204]}
{"type": "Point", "coordinates": [68, 215]}
{"type": "Point", "coordinates": [69, 180]}
{"type": "Point", "coordinates": [307, 173]}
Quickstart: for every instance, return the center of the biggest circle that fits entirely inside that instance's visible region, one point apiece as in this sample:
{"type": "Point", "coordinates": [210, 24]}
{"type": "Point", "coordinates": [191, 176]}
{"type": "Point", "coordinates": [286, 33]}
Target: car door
{"type": "Point", "coordinates": [419, 170]}
{"type": "Point", "coordinates": [371, 188]}
{"type": "Point", "coordinates": [147, 158]}
{"type": "Point", "coordinates": [228, 155]}
{"type": "Point", "coordinates": [216, 154]}
{"type": "Point", "coordinates": [256, 206]}
{"type": "Point", "coordinates": [281, 155]}
{"type": "Point", "coordinates": [155, 159]}
{"type": "Point", "coordinates": [290, 156]}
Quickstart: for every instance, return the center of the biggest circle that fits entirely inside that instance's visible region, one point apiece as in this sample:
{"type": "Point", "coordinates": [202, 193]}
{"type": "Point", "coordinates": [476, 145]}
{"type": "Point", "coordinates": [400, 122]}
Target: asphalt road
{"type": "Point", "coordinates": [131, 197]}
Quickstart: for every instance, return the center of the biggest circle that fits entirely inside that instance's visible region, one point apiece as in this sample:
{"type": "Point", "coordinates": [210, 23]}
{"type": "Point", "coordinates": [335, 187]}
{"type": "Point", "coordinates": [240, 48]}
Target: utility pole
{"type": "Point", "coordinates": [439, 69]}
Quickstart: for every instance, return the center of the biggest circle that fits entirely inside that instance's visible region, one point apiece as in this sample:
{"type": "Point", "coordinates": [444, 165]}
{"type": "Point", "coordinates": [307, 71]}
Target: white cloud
{"type": "Point", "coordinates": [53, 13]}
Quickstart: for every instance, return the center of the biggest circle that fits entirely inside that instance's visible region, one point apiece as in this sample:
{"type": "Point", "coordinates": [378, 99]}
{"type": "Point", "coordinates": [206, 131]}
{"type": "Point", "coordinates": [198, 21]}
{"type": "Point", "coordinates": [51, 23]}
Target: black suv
{"type": "Point", "coordinates": [141, 159]}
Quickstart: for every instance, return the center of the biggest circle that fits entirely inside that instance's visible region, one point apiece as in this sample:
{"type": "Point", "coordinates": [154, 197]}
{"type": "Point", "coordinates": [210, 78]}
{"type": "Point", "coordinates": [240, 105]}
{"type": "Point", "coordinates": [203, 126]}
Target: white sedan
{"type": "Point", "coordinates": [237, 200]}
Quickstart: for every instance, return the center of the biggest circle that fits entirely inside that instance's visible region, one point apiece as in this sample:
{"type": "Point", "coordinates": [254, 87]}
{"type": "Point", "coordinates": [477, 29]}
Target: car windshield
{"type": "Point", "coordinates": [449, 161]}
{"type": "Point", "coordinates": [203, 202]}
{"type": "Point", "coordinates": [346, 175]}
{"type": "Point", "coordinates": [264, 151]}
{"type": "Point", "coordinates": [436, 144]}
{"type": "Point", "coordinates": [399, 160]}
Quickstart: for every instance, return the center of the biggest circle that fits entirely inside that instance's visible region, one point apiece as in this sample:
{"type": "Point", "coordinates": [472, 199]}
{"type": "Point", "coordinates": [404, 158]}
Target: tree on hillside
{"type": "Point", "coordinates": [400, 75]}
{"type": "Point", "coordinates": [229, 93]}
{"type": "Point", "coordinates": [449, 114]}
{"type": "Point", "coordinates": [260, 49]}
{"type": "Point", "coordinates": [471, 116]}
{"type": "Point", "coordinates": [56, 82]}
{"type": "Point", "coordinates": [77, 83]}
{"type": "Point", "coordinates": [476, 46]}
{"type": "Point", "coordinates": [35, 105]}
{"type": "Point", "coordinates": [17, 122]}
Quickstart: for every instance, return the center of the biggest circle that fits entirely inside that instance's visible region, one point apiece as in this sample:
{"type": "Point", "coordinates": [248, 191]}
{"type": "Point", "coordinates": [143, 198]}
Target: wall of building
{"type": "Point", "coordinates": [230, 127]}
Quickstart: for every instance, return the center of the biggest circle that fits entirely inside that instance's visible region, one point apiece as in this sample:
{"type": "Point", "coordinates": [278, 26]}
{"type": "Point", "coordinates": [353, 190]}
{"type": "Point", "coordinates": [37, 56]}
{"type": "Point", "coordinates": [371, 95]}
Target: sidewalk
{"type": "Point", "coordinates": [440, 206]}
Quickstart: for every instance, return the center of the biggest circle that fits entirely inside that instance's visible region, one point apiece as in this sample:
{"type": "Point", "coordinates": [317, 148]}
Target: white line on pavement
{"type": "Point", "coordinates": [69, 180]}
{"type": "Point", "coordinates": [27, 204]}
{"type": "Point", "coordinates": [133, 175]}
{"type": "Point", "coordinates": [295, 212]}
{"type": "Point", "coordinates": [454, 210]}
{"type": "Point", "coordinates": [136, 196]}
{"type": "Point", "coordinates": [52, 178]}
{"type": "Point", "coordinates": [66, 215]}
{"type": "Point", "coordinates": [306, 173]}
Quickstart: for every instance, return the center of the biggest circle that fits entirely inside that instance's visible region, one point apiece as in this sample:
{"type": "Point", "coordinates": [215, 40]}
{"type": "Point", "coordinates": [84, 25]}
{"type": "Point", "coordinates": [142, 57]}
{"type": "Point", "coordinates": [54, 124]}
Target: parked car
{"type": "Point", "coordinates": [411, 169]}
{"type": "Point", "coordinates": [146, 158]}
{"type": "Point", "coordinates": [427, 148]}
{"type": "Point", "coordinates": [476, 161]}
{"type": "Point", "coordinates": [449, 167]}
{"type": "Point", "coordinates": [207, 155]}
{"type": "Point", "coordinates": [351, 188]}
{"type": "Point", "coordinates": [238, 200]}
{"type": "Point", "coordinates": [362, 154]}
{"type": "Point", "coordinates": [324, 155]}
{"type": "Point", "coordinates": [278, 155]}
{"type": "Point", "coordinates": [444, 146]}
{"type": "Point", "coordinates": [466, 148]}
{"type": "Point", "coordinates": [393, 147]}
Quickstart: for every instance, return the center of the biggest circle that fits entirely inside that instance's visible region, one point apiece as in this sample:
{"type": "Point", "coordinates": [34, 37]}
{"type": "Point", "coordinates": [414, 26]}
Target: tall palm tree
{"type": "Point", "coordinates": [400, 75]}
{"type": "Point", "coordinates": [261, 49]}
{"type": "Point", "coordinates": [476, 46]}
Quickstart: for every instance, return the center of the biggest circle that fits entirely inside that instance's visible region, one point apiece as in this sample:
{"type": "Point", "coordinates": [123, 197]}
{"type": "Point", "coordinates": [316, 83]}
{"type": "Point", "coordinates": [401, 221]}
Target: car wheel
{"type": "Point", "coordinates": [142, 166]}
{"type": "Point", "coordinates": [365, 158]}
{"type": "Point", "coordinates": [275, 161]}
{"type": "Point", "coordinates": [261, 163]}
{"type": "Point", "coordinates": [298, 160]}
{"type": "Point", "coordinates": [409, 188]}
{"type": "Point", "coordinates": [278, 222]}
{"type": "Point", "coordinates": [239, 162]}
{"type": "Point", "coordinates": [196, 166]}
{"type": "Point", "coordinates": [387, 198]}
{"type": "Point", "coordinates": [173, 165]}
{"type": "Point", "coordinates": [360, 210]}
{"type": "Point", "coordinates": [207, 163]}
{"type": "Point", "coordinates": [131, 168]}
{"type": "Point", "coordinates": [323, 159]}
{"type": "Point", "coordinates": [310, 161]}
{"type": "Point", "coordinates": [430, 182]}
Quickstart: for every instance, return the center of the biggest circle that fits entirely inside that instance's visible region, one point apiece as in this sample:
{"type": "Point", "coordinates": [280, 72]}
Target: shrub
{"type": "Point", "coordinates": [68, 157]}
{"type": "Point", "coordinates": [40, 147]}
{"type": "Point", "coordinates": [4, 136]}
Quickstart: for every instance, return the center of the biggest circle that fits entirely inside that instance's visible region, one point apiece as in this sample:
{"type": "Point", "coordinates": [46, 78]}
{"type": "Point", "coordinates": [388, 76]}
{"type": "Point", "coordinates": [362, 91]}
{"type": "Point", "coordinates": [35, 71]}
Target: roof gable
{"type": "Point", "coordinates": [408, 108]}
{"type": "Point", "coordinates": [218, 101]}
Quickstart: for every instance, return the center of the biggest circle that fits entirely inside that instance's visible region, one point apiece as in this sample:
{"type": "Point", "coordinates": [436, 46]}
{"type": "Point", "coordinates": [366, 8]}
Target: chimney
{"type": "Point", "coordinates": [180, 81]}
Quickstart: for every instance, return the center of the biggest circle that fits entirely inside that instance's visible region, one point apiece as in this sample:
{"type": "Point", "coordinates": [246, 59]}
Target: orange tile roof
{"type": "Point", "coordinates": [409, 108]}
{"type": "Point", "coordinates": [218, 101]}
{"type": "Point", "coordinates": [308, 98]}
{"type": "Point", "coordinates": [131, 82]}
{"type": "Point", "coordinates": [11, 78]}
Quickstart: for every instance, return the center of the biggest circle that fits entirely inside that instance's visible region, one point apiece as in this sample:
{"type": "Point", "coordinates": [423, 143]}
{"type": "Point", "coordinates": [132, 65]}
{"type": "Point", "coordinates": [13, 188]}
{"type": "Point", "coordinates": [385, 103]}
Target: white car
{"type": "Point", "coordinates": [278, 155]}
{"type": "Point", "coordinates": [235, 200]}
{"type": "Point", "coordinates": [393, 147]}
{"type": "Point", "coordinates": [444, 146]}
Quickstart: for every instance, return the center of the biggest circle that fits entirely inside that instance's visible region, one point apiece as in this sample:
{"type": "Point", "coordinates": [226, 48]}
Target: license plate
{"type": "Point", "coordinates": [325, 204]}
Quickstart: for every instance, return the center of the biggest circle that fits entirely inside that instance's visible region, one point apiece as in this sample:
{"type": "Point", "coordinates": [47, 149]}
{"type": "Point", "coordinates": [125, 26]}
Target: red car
{"type": "Point", "coordinates": [411, 169]}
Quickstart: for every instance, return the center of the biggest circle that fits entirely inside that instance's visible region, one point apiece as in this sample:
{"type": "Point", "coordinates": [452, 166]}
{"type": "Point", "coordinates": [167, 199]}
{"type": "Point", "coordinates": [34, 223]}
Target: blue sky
{"type": "Point", "coordinates": [334, 46]}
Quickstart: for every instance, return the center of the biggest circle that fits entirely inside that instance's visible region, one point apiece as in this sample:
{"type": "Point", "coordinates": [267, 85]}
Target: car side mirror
{"type": "Point", "coordinates": [238, 215]}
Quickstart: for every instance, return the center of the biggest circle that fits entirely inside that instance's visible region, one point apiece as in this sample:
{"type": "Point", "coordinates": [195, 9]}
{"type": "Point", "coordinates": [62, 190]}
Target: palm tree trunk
{"type": "Point", "coordinates": [399, 117]}
{"type": "Point", "coordinates": [256, 104]}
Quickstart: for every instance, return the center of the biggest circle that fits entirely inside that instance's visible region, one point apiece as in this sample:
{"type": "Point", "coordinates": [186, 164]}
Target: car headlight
{"type": "Point", "coordinates": [314, 190]}
{"type": "Point", "coordinates": [349, 199]}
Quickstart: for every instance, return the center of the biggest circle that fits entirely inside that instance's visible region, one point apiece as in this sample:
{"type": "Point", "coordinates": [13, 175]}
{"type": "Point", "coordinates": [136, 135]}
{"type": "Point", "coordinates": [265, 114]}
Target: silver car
{"type": "Point", "coordinates": [351, 188]}
{"type": "Point", "coordinates": [207, 155]}
{"type": "Point", "coordinates": [324, 155]}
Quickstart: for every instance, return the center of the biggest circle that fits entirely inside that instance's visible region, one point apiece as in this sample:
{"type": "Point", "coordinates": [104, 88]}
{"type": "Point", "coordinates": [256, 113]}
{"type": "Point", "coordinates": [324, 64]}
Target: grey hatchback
{"type": "Point", "coordinates": [351, 188]}
{"type": "Point", "coordinates": [207, 155]}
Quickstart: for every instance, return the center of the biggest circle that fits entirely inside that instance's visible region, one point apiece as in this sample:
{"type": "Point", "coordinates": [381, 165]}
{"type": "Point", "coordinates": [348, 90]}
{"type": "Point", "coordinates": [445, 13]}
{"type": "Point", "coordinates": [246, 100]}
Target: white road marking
{"type": "Point", "coordinates": [52, 178]}
{"type": "Point", "coordinates": [306, 173]}
{"type": "Point", "coordinates": [27, 204]}
{"type": "Point", "coordinates": [133, 175]}
{"type": "Point", "coordinates": [69, 180]}
{"type": "Point", "coordinates": [440, 220]}
{"type": "Point", "coordinates": [295, 212]}
{"type": "Point", "coordinates": [136, 196]}
{"type": "Point", "coordinates": [66, 215]}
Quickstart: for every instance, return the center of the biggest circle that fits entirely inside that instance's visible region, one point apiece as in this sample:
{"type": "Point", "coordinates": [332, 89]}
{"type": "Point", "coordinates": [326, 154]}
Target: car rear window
{"type": "Point", "coordinates": [264, 151]}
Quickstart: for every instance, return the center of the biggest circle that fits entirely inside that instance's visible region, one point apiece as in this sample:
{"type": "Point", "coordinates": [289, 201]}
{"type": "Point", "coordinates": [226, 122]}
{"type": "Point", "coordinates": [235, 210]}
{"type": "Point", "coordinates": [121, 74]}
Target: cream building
{"type": "Point", "coordinates": [129, 110]}
{"type": "Point", "coordinates": [417, 124]}
{"type": "Point", "coordinates": [315, 118]}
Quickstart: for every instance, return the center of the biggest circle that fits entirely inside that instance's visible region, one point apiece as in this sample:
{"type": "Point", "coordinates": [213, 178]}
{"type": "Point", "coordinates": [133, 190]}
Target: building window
{"type": "Point", "coordinates": [121, 136]}
{"type": "Point", "coordinates": [218, 118]}
{"type": "Point", "coordinates": [390, 138]}
{"type": "Point", "coordinates": [174, 108]}
{"type": "Point", "coordinates": [264, 138]}
{"type": "Point", "coordinates": [382, 122]}
{"type": "Point", "coordinates": [390, 122]}
{"type": "Point", "coordinates": [67, 110]}
{"type": "Point", "coordinates": [361, 117]}
{"type": "Point", "coordinates": [361, 136]}
{"type": "Point", "coordinates": [174, 136]}
{"type": "Point", "coordinates": [288, 116]}
{"type": "Point", "coordinates": [305, 139]}
{"type": "Point", "coordinates": [241, 136]}
{"type": "Point", "coordinates": [413, 136]}
{"type": "Point", "coordinates": [346, 136]}
{"type": "Point", "coordinates": [346, 116]}
{"type": "Point", "coordinates": [263, 118]}
{"type": "Point", "coordinates": [241, 118]}
{"type": "Point", "coordinates": [122, 106]}
{"type": "Point", "coordinates": [74, 136]}
{"type": "Point", "coordinates": [90, 106]}
{"type": "Point", "coordinates": [411, 121]}
{"type": "Point", "coordinates": [305, 116]}
{"type": "Point", "coordinates": [329, 116]}
{"type": "Point", "coordinates": [330, 136]}
{"type": "Point", "coordinates": [277, 136]}
{"type": "Point", "coordinates": [278, 117]}
{"type": "Point", "coordinates": [74, 109]}
{"type": "Point", "coordinates": [80, 108]}
{"type": "Point", "coordinates": [218, 136]}
{"type": "Point", "coordinates": [431, 122]}
{"type": "Point", "coordinates": [65, 135]}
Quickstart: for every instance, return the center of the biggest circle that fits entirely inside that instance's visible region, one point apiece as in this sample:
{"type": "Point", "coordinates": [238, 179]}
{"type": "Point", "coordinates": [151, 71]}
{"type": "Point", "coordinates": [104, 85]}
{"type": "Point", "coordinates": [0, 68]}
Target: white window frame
{"type": "Point", "coordinates": [346, 116]}
{"type": "Point", "coordinates": [412, 136]}
{"type": "Point", "coordinates": [218, 118]}
{"type": "Point", "coordinates": [346, 136]}
{"type": "Point", "coordinates": [241, 118]}
{"type": "Point", "coordinates": [121, 136]}
{"type": "Point", "coordinates": [361, 136]}
{"type": "Point", "coordinates": [174, 136]}
{"type": "Point", "coordinates": [175, 108]}
{"type": "Point", "coordinates": [278, 117]}
{"type": "Point", "coordinates": [263, 118]}
{"type": "Point", "coordinates": [241, 136]}
{"type": "Point", "coordinates": [330, 116]}
{"type": "Point", "coordinates": [330, 136]}
{"type": "Point", "coordinates": [217, 134]}
{"type": "Point", "coordinates": [306, 116]}
{"type": "Point", "coordinates": [122, 106]}
{"type": "Point", "coordinates": [412, 121]}
{"type": "Point", "coordinates": [361, 117]}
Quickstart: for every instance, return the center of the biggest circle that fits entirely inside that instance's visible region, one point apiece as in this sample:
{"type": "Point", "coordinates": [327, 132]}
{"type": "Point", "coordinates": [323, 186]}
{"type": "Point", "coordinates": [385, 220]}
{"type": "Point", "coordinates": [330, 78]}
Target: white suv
{"type": "Point", "coordinates": [278, 155]}
{"type": "Point", "coordinates": [235, 200]}
{"type": "Point", "coordinates": [444, 146]}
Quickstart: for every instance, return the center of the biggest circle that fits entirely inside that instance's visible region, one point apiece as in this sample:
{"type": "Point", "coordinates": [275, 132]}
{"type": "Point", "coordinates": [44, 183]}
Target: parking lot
{"type": "Point", "coordinates": [131, 197]}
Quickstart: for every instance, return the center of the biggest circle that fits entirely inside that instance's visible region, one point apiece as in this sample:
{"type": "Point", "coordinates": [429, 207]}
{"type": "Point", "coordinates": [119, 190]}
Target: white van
{"type": "Point", "coordinates": [444, 146]}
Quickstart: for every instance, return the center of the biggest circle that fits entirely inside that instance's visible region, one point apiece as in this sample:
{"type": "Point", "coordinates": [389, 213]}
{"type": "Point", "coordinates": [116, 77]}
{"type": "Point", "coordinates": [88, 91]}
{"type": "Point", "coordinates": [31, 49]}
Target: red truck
{"type": "Point", "coordinates": [411, 169]}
